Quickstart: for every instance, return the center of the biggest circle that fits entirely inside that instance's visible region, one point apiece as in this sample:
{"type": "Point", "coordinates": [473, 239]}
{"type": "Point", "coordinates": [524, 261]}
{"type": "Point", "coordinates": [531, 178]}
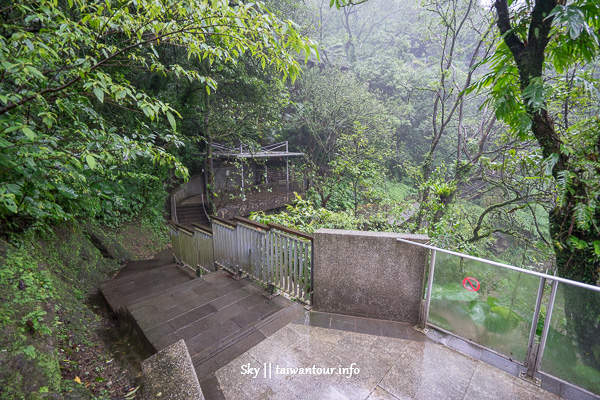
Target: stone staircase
{"type": "Point", "coordinates": [218, 317]}
{"type": "Point", "coordinates": [192, 210]}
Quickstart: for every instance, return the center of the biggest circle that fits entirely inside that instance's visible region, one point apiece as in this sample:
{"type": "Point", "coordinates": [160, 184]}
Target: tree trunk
{"type": "Point", "coordinates": [572, 262]}
{"type": "Point", "coordinates": [209, 175]}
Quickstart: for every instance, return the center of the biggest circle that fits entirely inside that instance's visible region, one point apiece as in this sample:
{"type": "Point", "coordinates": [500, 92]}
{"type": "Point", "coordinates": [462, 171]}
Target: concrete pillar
{"type": "Point", "coordinates": [368, 274]}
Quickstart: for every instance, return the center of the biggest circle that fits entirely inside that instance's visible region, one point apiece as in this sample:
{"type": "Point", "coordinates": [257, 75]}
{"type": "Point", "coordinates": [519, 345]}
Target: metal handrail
{"type": "Point", "coordinates": [535, 350]}
{"type": "Point", "coordinates": [254, 224]}
{"type": "Point", "coordinates": [507, 266]}
{"type": "Point", "coordinates": [223, 222]}
{"type": "Point", "coordinates": [291, 231]}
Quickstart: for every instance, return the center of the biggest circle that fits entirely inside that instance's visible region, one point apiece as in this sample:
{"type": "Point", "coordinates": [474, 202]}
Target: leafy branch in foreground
{"type": "Point", "coordinates": [63, 65]}
{"type": "Point", "coordinates": [540, 42]}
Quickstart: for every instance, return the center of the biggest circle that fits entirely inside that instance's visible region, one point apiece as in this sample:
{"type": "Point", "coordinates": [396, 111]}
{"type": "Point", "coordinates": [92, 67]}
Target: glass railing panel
{"type": "Point", "coordinates": [572, 351]}
{"type": "Point", "coordinates": [487, 304]}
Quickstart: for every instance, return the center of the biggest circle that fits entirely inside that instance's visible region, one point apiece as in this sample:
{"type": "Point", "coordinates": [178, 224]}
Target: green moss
{"type": "Point", "coordinates": [44, 284]}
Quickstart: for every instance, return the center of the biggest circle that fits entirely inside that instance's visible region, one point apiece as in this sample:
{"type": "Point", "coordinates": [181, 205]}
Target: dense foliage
{"type": "Point", "coordinates": [461, 122]}
{"type": "Point", "coordinates": [76, 124]}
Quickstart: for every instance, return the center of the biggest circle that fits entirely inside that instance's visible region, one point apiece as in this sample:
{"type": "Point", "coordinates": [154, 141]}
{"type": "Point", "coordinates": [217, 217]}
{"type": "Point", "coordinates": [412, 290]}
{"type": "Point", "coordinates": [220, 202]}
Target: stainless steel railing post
{"type": "Point", "coordinates": [532, 346]}
{"type": "Point", "coordinates": [425, 314]}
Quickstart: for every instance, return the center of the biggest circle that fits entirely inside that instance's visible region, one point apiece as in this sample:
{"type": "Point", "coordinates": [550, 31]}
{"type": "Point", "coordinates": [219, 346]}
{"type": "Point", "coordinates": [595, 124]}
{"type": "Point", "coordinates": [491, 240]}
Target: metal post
{"type": "Point", "coordinates": [174, 216]}
{"type": "Point", "coordinates": [423, 317]}
{"type": "Point", "coordinates": [287, 167]}
{"type": "Point", "coordinates": [213, 243]}
{"type": "Point", "coordinates": [540, 353]}
{"type": "Point", "coordinates": [287, 172]}
{"type": "Point", "coordinates": [532, 346]}
{"type": "Point", "coordinates": [312, 272]}
{"type": "Point", "coordinates": [242, 163]}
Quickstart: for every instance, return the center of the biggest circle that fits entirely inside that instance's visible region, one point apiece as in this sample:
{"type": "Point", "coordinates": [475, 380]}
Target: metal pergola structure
{"type": "Point", "coordinates": [280, 149]}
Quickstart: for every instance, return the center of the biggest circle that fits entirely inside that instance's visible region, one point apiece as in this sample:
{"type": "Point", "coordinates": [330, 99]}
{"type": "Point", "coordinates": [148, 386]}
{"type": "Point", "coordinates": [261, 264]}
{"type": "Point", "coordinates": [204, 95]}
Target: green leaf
{"type": "Point", "coordinates": [171, 119]}
{"type": "Point", "coordinates": [535, 94]}
{"type": "Point", "coordinates": [498, 322]}
{"type": "Point", "coordinates": [91, 161]}
{"type": "Point", "coordinates": [29, 133]}
{"type": "Point", "coordinates": [597, 247]}
{"type": "Point", "coordinates": [9, 202]}
{"type": "Point", "coordinates": [29, 351]}
{"type": "Point", "coordinates": [99, 94]}
{"type": "Point", "coordinates": [549, 163]}
{"type": "Point", "coordinates": [67, 192]}
{"type": "Point", "coordinates": [453, 291]}
{"type": "Point", "coordinates": [477, 312]}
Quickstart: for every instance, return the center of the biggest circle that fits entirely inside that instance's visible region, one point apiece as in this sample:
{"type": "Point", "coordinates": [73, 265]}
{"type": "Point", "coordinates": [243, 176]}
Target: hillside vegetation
{"type": "Point", "coordinates": [56, 337]}
{"type": "Point", "coordinates": [474, 123]}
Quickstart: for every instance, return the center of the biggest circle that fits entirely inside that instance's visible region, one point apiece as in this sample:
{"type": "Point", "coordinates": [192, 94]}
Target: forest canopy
{"type": "Point", "coordinates": [475, 123]}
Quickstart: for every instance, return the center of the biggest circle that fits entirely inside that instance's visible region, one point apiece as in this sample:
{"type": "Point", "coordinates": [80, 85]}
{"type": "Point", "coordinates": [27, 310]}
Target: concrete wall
{"type": "Point", "coordinates": [368, 274]}
{"type": "Point", "coordinates": [252, 205]}
{"type": "Point", "coordinates": [194, 186]}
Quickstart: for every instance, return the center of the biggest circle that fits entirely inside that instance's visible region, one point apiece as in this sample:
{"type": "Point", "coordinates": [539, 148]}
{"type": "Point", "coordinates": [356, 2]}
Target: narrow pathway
{"type": "Point", "coordinates": [218, 317]}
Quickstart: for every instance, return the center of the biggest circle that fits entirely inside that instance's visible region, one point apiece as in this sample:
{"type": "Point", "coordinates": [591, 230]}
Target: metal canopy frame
{"type": "Point", "coordinates": [280, 149]}
{"type": "Point", "coordinates": [244, 151]}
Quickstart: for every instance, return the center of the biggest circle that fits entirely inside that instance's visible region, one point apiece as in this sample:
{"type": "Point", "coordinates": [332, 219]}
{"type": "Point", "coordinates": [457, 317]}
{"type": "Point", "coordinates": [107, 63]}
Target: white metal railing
{"type": "Point", "coordinates": [271, 254]}
{"type": "Point", "coordinates": [174, 233]}
{"type": "Point", "coordinates": [289, 263]}
{"type": "Point", "coordinates": [224, 245]}
{"type": "Point", "coordinates": [192, 247]}
{"type": "Point", "coordinates": [251, 248]}
{"type": "Point", "coordinates": [203, 248]}
{"type": "Point", "coordinates": [188, 256]}
{"type": "Point", "coordinates": [502, 308]}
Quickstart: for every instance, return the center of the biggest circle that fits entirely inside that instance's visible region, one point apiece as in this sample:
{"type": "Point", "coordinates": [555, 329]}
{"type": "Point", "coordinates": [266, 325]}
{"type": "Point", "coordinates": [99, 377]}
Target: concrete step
{"type": "Point", "coordinates": [191, 212]}
{"type": "Point", "coordinates": [215, 315]}
{"type": "Point", "coordinates": [218, 317]}
{"type": "Point", "coordinates": [197, 215]}
{"type": "Point", "coordinates": [207, 361]}
{"type": "Point", "coordinates": [141, 280]}
{"type": "Point", "coordinates": [190, 208]}
{"type": "Point", "coordinates": [170, 374]}
{"type": "Point", "coordinates": [183, 213]}
{"type": "Point", "coordinates": [197, 199]}
{"type": "Point", "coordinates": [141, 267]}
{"type": "Point", "coordinates": [161, 259]}
{"type": "Point", "coordinates": [189, 220]}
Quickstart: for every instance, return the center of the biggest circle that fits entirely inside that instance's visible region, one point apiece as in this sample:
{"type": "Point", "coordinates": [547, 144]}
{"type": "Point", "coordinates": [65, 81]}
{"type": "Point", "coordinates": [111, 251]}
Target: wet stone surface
{"type": "Point", "coordinates": [170, 374]}
{"type": "Point", "coordinates": [307, 360]}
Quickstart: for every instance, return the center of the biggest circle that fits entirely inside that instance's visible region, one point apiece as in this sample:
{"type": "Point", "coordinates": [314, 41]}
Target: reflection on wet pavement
{"type": "Point", "coordinates": [311, 362]}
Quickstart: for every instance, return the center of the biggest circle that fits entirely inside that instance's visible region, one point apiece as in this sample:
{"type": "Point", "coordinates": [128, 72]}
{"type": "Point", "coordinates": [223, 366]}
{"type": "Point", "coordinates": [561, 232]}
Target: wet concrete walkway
{"type": "Point", "coordinates": [324, 356]}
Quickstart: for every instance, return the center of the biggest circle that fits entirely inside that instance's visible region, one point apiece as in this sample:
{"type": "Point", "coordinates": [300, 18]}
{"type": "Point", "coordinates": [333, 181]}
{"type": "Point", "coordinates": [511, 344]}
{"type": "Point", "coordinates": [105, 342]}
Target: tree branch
{"type": "Point", "coordinates": [513, 42]}
{"type": "Point", "coordinates": [478, 227]}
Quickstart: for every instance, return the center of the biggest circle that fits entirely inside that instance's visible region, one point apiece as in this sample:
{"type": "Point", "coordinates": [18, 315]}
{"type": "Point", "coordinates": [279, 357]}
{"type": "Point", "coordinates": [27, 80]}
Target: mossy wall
{"type": "Point", "coordinates": [45, 316]}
